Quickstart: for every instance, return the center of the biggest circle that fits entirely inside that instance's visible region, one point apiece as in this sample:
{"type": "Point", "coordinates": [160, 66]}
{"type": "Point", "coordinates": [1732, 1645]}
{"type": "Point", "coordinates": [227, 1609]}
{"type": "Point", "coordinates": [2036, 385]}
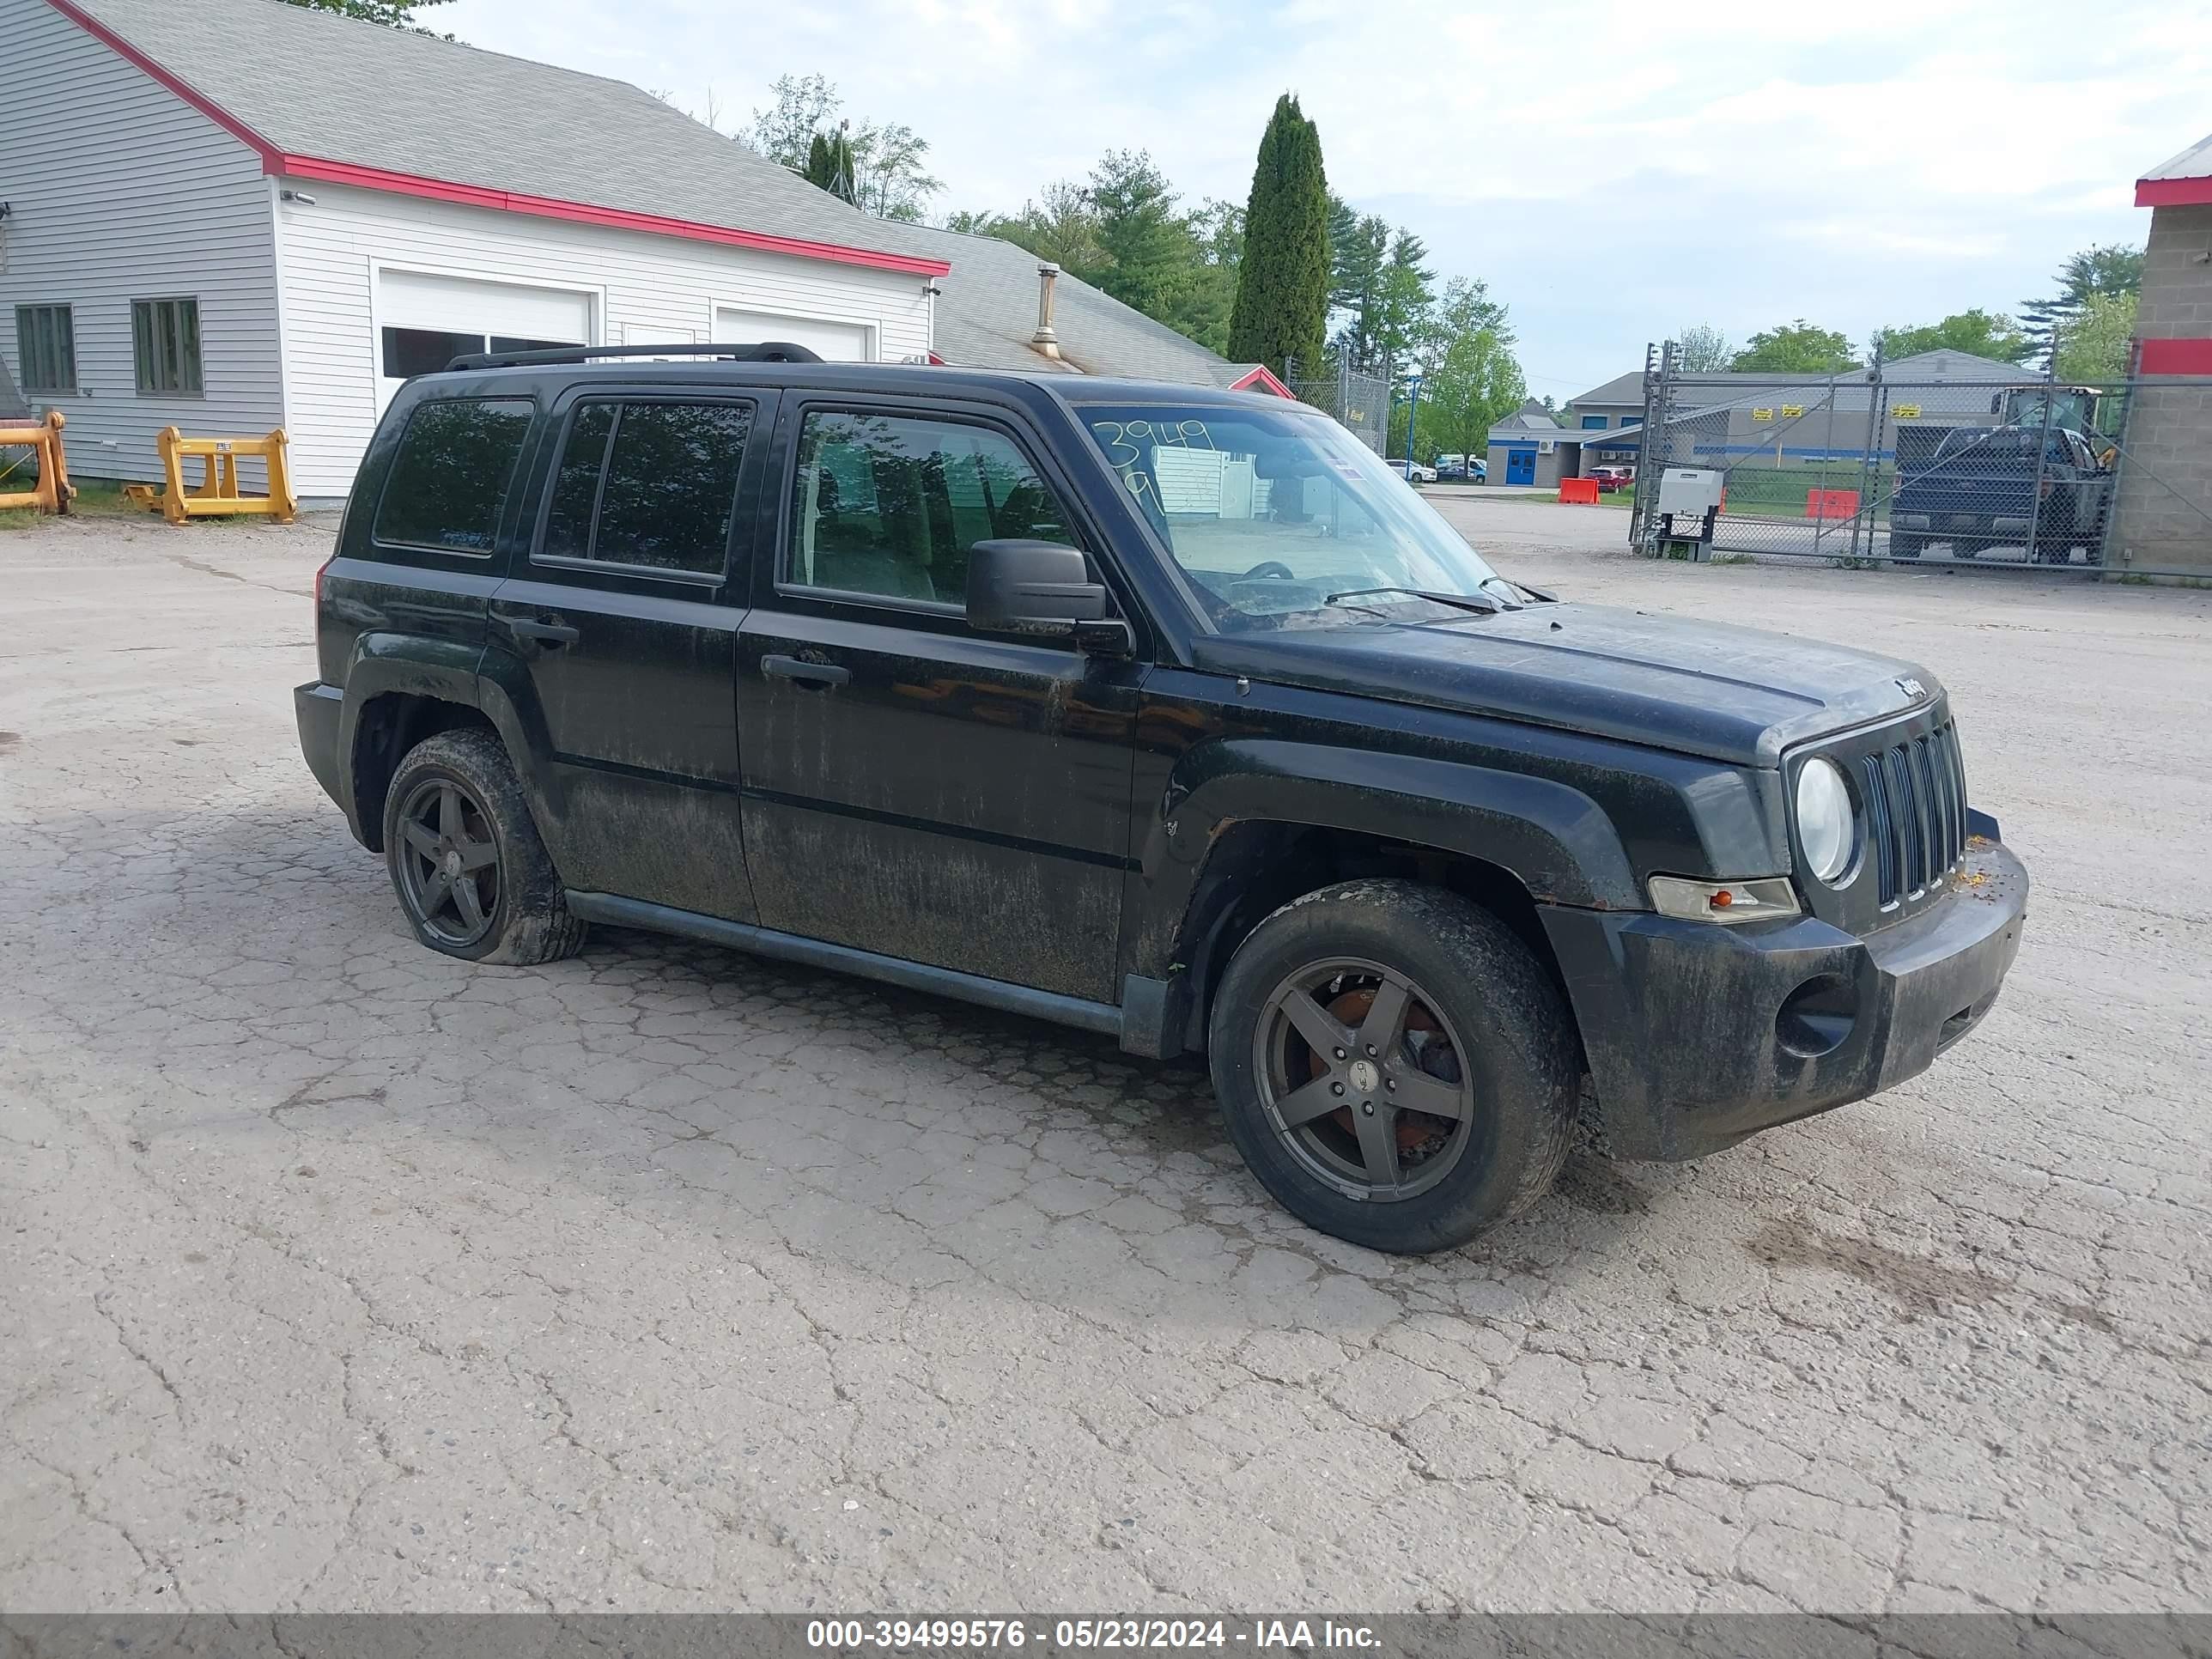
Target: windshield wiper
{"type": "Point", "coordinates": [1479, 603]}
{"type": "Point", "coordinates": [1535, 594]}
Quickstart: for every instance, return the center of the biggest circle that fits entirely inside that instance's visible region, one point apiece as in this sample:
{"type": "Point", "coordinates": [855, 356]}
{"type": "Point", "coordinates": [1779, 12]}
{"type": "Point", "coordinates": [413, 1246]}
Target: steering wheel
{"type": "Point", "coordinates": [1274, 569]}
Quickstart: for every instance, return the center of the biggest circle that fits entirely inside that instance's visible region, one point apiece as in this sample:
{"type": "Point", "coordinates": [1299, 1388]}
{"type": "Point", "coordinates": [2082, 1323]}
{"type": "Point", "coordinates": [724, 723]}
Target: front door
{"type": "Point", "coordinates": [619, 635]}
{"type": "Point", "coordinates": [914, 787]}
{"type": "Point", "coordinates": [1519, 466]}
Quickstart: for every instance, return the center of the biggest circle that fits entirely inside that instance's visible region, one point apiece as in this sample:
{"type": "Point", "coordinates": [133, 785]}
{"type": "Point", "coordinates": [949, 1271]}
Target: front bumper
{"type": "Point", "coordinates": [1698, 1036]}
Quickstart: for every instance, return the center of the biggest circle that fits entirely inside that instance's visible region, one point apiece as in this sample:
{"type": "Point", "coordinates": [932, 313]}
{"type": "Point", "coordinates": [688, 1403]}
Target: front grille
{"type": "Point", "coordinates": [1916, 808]}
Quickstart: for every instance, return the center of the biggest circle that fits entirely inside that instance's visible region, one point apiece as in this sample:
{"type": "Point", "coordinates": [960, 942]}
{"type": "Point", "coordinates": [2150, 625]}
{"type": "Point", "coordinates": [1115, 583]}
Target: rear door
{"type": "Point", "coordinates": [914, 787]}
{"type": "Point", "coordinates": [615, 637]}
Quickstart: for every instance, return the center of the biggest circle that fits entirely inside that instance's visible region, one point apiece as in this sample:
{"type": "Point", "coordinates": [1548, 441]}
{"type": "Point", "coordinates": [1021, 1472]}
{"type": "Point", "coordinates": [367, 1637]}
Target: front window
{"type": "Point", "coordinates": [1285, 519]}
{"type": "Point", "coordinates": [46, 345]}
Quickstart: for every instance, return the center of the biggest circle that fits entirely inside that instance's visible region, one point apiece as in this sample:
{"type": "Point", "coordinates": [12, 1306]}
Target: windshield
{"type": "Point", "coordinates": [1271, 514]}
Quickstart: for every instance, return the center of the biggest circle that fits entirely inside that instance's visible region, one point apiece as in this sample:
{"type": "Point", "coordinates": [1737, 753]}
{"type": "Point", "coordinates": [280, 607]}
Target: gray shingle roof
{"type": "Point", "coordinates": [1620, 389]}
{"type": "Point", "coordinates": [314, 84]}
{"type": "Point", "coordinates": [989, 313]}
{"type": "Point", "coordinates": [310, 83]}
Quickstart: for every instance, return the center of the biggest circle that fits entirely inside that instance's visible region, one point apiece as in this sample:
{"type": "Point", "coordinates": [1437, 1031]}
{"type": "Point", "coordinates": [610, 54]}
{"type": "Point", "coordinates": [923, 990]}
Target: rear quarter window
{"type": "Point", "coordinates": [449, 482]}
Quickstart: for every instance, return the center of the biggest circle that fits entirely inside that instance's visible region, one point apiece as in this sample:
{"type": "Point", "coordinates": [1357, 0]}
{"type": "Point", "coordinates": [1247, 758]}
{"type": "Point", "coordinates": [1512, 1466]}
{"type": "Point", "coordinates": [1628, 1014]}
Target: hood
{"type": "Point", "coordinates": [1739, 695]}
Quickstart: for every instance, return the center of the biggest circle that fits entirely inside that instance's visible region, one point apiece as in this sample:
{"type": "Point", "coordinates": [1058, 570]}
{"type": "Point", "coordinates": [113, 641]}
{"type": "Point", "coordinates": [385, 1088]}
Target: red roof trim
{"type": "Point", "coordinates": [1261, 380]}
{"type": "Point", "coordinates": [274, 161]}
{"type": "Point", "coordinates": [2174, 357]}
{"type": "Point", "coordinates": [2173, 193]}
{"type": "Point", "coordinates": [546, 207]}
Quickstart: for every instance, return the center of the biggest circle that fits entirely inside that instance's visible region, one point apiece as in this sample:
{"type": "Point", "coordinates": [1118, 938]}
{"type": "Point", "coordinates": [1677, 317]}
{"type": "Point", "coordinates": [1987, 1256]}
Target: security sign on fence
{"type": "Point", "coordinates": [1991, 465]}
{"type": "Point", "coordinates": [218, 495]}
{"type": "Point", "coordinates": [44, 488]}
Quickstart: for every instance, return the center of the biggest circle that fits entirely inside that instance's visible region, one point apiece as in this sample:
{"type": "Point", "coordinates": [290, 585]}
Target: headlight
{"type": "Point", "coordinates": [1824, 826]}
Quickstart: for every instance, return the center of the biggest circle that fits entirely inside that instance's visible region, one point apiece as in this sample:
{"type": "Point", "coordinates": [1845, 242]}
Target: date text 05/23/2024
{"type": "Point", "coordinates": [1069, 1635]}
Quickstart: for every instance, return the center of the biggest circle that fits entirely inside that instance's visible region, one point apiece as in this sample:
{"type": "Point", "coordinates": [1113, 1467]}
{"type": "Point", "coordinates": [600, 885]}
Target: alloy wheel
{"type": "Point", "coordinates": [1362, 1078]}
{"type": "Point", "coordinates": [449, 870]}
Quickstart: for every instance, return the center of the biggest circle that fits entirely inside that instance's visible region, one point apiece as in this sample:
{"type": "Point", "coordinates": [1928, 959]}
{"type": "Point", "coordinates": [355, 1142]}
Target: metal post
{"type": "Point", "coordinates": [1870, 458]}
{"type": "Point", "coordinates": [1412, 417]}
{"type": "Point", "coordinates": [2043, 455]}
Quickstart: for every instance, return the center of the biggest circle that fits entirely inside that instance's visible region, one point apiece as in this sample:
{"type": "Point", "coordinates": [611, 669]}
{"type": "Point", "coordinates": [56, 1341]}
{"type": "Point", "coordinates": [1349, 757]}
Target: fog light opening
{"type": "Point", "coordinates": [1818, 1016]}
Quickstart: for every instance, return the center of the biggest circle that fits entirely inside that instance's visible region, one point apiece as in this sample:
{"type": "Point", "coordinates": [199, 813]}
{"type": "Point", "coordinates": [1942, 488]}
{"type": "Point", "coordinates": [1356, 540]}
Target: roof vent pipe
{"type": "Point", "coordinates": [1044, 339]}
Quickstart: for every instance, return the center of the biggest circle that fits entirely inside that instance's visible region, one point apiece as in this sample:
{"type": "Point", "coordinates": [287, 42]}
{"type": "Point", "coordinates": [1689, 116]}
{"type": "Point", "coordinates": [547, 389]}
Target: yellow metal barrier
{"type": "Point", "coordinates": [52, 492]}
{"type": "Point", "coordinates": [216, 494]}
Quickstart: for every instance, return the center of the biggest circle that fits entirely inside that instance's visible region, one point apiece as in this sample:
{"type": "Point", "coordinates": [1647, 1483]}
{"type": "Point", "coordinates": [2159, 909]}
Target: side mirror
{"type": "Point", "coordinates": [1031, 588]}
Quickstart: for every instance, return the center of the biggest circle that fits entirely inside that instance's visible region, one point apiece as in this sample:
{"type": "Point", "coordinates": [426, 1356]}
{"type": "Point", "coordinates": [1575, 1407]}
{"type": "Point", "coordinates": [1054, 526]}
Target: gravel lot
{"type": "Point", "coordinates": [338, 1275]}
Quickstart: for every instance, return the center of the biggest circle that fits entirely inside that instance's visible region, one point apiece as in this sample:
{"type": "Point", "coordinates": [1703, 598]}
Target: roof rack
{"type": "Point", "coordinates": [766, 351]}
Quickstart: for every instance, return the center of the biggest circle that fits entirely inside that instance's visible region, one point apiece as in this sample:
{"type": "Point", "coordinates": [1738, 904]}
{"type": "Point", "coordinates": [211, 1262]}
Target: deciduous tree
{"type": "Point", "coordinates": [1798, 347]}
{"type": "Point", "coordinates": [1982, 333]}
{"type": "Point", "coordinates": [398, 13]}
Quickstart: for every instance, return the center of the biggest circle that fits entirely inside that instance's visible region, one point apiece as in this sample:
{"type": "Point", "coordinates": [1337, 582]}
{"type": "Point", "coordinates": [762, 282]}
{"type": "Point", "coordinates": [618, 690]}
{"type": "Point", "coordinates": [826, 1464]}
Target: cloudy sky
{"type": "Point", "coordinates": [1614, 171]}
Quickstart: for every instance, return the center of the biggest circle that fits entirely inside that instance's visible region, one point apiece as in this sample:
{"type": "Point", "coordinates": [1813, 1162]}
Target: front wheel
{"type": "Point", "coordinates": [1902, 546]}
{"type": "Point", "coordinates": [1395, 1064]}
{"type": "Point", "coordinates": [472, 874]}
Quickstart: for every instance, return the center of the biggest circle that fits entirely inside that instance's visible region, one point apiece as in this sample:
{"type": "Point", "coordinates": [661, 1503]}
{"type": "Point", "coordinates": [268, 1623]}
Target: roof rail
{"type": "Point", "coordinates": [766, 351]}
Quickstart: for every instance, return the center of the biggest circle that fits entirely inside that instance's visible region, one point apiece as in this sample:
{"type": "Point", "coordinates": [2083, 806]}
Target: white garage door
{"type": "Point", "coordinates": [837, 343]}
{"type": "Point", "coordinates": [424, 321]}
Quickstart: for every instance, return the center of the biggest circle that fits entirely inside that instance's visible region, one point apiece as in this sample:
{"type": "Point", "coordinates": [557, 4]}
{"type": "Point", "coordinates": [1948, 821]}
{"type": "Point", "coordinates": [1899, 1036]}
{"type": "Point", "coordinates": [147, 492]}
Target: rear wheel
{"type": "Point", "coordinates": [1395, 1064]}
{"type": "Point", "coordinates": [1902, 546]}
{"type": "Point", "coordinates": [471, 872]}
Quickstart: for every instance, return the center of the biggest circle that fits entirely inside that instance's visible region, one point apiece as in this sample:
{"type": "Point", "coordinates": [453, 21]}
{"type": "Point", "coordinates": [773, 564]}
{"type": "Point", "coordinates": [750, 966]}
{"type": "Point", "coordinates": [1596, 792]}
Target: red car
{"type": "Point", "coordinates": [1611, 478]}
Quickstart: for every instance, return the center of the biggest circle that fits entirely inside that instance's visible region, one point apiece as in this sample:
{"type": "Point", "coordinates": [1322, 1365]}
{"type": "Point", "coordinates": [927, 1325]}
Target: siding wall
{"type": "Point", "coordinates": [123, 191]}
{"type": "Point", "coordinates": [645, 287]}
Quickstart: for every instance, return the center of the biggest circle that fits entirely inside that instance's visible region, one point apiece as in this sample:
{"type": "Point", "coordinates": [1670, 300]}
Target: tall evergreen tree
{"type": "Point", "coordinates": [1283, 280]}
{"type": "Point", "coordinates": [830, 166]}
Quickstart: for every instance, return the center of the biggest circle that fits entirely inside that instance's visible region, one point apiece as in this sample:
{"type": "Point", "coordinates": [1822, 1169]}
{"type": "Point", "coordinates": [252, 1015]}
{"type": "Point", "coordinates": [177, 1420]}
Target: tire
{"type": "Point", "coordinates": [1461, 1016]}
{"type": "Point", "coordinates": [1905, 547]}
{"type": "Point", "coordinates": [472, 875]}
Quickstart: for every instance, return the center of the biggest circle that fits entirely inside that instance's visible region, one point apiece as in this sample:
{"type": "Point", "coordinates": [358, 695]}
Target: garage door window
{"type": "Point", "coordinates": [450, 479]}
{"type": "Point", "coordinates": [649, 485]}
{"type": "Point", "coordinates": [411, 352]}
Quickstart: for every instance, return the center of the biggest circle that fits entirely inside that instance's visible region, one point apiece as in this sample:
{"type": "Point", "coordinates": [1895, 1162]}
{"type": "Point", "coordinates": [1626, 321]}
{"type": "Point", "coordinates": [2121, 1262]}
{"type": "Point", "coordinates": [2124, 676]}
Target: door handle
{"type": "Point", "coordinates": [820, 676]}
{"type": "Point", "coordinates": [547, 632]}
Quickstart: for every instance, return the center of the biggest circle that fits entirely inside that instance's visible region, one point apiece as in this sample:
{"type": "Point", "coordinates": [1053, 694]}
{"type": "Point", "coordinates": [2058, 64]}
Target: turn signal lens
{"type": "Point", "coordinates": [1731, 903]}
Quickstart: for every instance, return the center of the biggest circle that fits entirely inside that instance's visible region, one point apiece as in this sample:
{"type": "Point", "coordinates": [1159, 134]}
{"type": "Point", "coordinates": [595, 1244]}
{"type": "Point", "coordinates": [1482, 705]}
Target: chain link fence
{"type": "Point", "coordinates": [1974, 463]}
{"type": "Point", "coordinates": [1359, 399]}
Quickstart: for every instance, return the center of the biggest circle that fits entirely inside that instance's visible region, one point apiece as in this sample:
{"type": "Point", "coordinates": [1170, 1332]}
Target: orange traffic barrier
{"type": "Point", "coordinates": [1832, 503]}
{"type": "Point", "coordinates": [52, 491]}
{"type": "Point", "coordinates": [217, 495]}
{"type": "Point", "coordinates": [1581, 492]}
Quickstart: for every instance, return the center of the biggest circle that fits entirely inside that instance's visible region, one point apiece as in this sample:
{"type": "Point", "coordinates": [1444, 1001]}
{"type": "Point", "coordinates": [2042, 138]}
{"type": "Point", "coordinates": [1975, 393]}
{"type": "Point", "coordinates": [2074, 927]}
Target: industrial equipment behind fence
{"type": "Point", "coordinates": [218, 495]}
{"type": "Point", "coordinates": [2003, 468]}
{"type": "Point", "coordinates": [50, 490]}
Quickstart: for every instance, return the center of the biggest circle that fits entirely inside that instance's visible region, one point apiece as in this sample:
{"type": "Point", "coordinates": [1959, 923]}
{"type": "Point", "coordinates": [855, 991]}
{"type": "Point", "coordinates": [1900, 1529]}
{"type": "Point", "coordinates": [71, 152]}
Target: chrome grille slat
{"type": "Point", "coordinates": [1914, 797]}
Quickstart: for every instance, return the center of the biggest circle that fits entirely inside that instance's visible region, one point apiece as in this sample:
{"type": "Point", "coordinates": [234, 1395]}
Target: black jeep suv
{"type": "Point", "coordinates": [1165, 712]}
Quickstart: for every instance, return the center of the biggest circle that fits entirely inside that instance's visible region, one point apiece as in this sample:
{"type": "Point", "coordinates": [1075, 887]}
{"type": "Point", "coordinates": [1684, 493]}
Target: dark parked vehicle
{"type": "Point", "coordinates": [1999, 487]}
{"type": "Point", "coordinates": [1165, 712]}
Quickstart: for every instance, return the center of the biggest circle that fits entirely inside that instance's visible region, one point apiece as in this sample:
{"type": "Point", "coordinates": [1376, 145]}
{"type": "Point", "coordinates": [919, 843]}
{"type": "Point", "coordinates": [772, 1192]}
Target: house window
{"type": "Point", "coordinates": [1632, 420]}
{"type": "Point", "coordinates": [46, 343]}
{"type": "Point", "coordinates": [165, 337]}
{"type": "Point", "coordinates": [1592, 423]}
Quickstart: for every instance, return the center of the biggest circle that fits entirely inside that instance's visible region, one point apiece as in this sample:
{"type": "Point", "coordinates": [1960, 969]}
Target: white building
{"type": "Point", "coordinates": [236, 215]}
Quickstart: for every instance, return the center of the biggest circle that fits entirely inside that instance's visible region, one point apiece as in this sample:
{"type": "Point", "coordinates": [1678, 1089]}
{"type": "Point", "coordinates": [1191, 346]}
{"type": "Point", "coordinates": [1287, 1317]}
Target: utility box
{"type": "Point", "coordinates": [1689, 499]}
{"type": "Point", "coordinates": [1691, 492]}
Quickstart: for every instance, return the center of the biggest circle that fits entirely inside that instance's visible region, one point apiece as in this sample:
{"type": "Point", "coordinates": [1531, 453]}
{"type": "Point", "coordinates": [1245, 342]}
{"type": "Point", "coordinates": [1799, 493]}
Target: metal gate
{"type": "Point", "coordinates": [1987, 467]}
{"type": "Point", "coordinates": [1359, 399]}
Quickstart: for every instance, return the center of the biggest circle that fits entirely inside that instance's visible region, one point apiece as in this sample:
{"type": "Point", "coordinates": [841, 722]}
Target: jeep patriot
{"type": "Point", "coordinates": [1162, 711]}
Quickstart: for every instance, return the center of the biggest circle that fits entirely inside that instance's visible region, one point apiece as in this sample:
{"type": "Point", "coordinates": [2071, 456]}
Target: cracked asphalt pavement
{"type": "Point", "coordinates": [335, 1275]}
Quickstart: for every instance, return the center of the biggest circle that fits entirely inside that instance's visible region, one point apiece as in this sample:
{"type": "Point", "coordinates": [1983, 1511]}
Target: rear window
{"type": "Point", "coordinates": [450, 479]}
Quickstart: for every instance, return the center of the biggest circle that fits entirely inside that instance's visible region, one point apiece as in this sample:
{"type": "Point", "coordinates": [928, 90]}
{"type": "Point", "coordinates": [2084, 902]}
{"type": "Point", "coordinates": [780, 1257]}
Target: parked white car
{"type": "Point", "coordinates": [1414, 471]}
